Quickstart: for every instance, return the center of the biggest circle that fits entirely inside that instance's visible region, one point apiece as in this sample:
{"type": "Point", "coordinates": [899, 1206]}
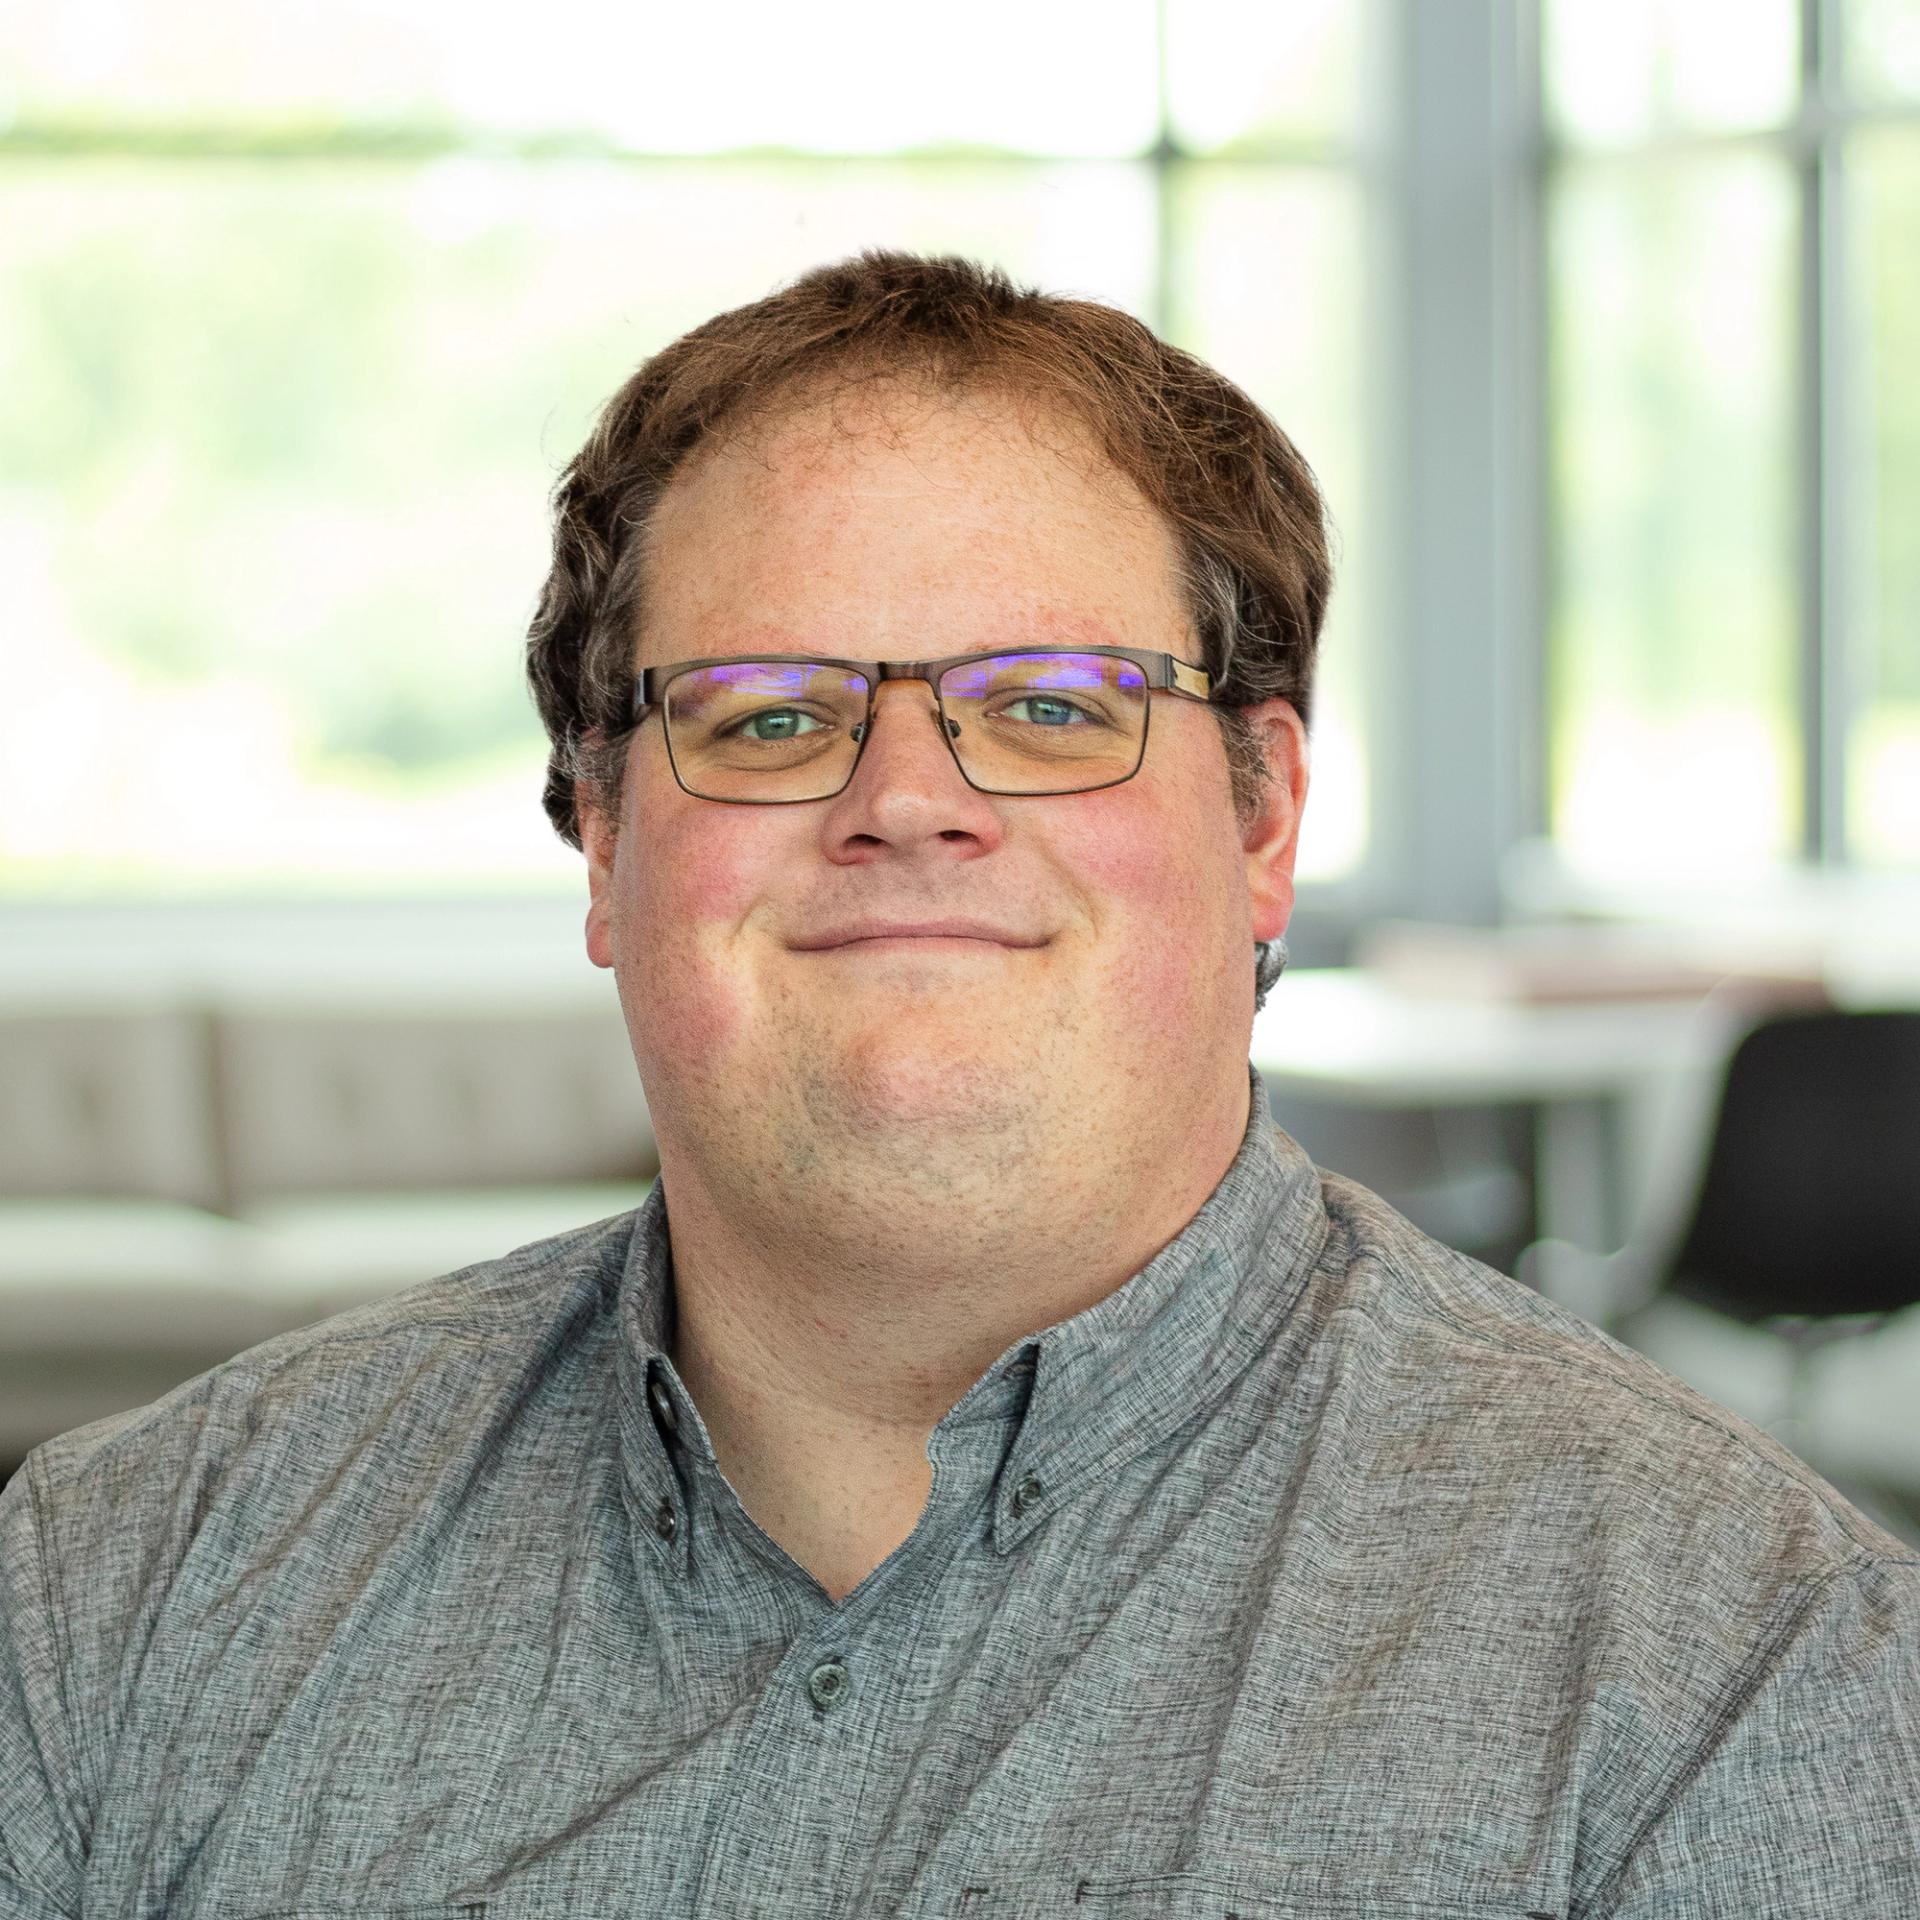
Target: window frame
{"type": "Point", "coordinates": [1164, 160]}
{"type": "Point", "coordinates": [1824, 406]}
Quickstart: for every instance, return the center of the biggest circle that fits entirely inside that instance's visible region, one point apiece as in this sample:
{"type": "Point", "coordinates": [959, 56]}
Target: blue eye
{"type": "Point", "coordinates": [1047, 700]}
{"type": "Point", "coordinates": [777, 716]}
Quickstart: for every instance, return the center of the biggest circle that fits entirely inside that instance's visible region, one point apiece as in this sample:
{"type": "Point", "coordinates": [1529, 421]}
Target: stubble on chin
{"type": "Point", "coordinates": [916, 1104]}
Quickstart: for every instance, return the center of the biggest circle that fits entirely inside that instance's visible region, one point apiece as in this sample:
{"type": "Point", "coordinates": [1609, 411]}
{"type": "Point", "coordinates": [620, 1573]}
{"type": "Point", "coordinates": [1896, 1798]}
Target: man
{"type": "Point", "coordinates": [994, 1474]}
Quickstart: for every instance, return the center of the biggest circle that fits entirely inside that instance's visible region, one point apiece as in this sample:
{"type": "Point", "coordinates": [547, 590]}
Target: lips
{"type": "Point", "coordinates": [856, 930]}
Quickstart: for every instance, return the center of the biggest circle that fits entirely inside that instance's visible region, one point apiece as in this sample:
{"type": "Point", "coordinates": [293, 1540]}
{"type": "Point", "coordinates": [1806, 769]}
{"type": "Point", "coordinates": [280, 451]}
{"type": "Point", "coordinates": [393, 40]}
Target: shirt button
{"type": "Point", "coordinates": [666, 1522]}
{"type": "Point", "coordinates": [1026, 1493]}
{"type": "Point", "coordinates": [827, 1682]}
{"type": "Point", "coordinates": [663, 1406]}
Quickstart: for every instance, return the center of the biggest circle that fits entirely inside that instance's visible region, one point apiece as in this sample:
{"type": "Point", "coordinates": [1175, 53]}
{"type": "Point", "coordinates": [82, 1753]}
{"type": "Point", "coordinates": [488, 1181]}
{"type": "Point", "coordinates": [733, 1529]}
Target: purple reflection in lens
{"type": "Point", "coordinates": [782, 675]}
{"type": "Point", "coordinates": [776, 679]}
{"type": "Point", "coordinates": [1064, 671]}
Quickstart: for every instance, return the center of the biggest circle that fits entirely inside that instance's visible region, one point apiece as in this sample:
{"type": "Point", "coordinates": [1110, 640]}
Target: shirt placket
{"type": "Point", "coordinates": [815, 1782]}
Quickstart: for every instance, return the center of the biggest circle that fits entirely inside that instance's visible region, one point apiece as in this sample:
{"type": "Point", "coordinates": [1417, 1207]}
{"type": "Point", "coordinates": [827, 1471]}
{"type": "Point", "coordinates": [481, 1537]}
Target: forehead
{"type": "Point", "coordinates": [932, 522]}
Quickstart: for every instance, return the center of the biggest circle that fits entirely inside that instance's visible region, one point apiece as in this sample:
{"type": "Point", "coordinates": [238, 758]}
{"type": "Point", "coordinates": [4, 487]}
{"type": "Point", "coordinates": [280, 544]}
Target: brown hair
{"type": "Point", "coordinates": [1242, 502]}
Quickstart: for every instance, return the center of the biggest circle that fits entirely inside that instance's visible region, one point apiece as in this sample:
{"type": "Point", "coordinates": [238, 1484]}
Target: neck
{"type": "Point", "coordinates": [827, 1318]}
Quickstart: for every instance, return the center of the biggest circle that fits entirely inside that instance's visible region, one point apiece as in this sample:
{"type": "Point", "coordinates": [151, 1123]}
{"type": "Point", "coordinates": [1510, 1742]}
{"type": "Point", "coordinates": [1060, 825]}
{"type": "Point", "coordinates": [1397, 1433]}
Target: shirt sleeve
{"type": "Point", "coordinates": [42, 1838]}
{"type": "Point", "coordinates": [1804, 1799]}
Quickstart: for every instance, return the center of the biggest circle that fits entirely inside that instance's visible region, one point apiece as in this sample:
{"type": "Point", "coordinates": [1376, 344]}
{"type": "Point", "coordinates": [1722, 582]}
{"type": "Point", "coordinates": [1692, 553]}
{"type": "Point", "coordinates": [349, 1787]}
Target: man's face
{"type": "Point", "coordinates": [911, 528]}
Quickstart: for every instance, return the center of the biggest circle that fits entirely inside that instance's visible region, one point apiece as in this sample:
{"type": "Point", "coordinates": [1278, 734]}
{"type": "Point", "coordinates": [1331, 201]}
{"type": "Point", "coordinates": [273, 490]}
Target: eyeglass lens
{"type": "Point", "coordinates": [1042, 722]}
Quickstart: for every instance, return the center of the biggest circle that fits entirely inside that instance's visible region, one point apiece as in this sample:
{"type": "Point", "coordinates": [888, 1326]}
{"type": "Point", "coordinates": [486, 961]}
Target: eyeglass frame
{"type": "Point", "coordinates": [1165, 673]}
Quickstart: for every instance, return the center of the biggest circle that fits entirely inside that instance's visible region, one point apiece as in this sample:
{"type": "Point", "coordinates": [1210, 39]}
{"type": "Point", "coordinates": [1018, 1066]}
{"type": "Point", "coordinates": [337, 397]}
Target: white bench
{"type": "Point", "coordinates": [180, 1180]}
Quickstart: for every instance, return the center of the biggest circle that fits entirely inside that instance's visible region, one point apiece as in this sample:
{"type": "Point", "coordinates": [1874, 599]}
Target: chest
{"type": "Point", "coordinates": [1211, 1730]}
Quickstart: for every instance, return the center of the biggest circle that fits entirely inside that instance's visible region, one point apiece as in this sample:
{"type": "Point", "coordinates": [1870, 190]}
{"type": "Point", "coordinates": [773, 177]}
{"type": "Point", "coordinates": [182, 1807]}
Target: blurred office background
{"type": "Point", "coordinates": [1599, 320]}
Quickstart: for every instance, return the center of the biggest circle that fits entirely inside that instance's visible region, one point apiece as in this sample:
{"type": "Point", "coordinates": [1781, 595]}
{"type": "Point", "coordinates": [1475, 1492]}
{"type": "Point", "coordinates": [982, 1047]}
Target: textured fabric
{"type": "Point", "coordinates": [1315, 1571]}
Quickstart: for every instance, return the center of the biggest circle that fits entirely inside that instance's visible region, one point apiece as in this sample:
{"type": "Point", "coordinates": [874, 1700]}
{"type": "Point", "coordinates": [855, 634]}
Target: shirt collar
{"type": "Point", "coordinates": [1092, 1390]}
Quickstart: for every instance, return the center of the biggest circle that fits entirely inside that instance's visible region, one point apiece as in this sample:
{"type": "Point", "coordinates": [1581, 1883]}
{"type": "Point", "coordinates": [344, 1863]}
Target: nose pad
{"type": "Point", "coordinates": [860, 731]}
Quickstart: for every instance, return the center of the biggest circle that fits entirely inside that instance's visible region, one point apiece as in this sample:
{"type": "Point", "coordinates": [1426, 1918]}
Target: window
{"type": "Point", "coordinates": [1732, 193]}
{"type": "Point", "coordinates": [303, 309]}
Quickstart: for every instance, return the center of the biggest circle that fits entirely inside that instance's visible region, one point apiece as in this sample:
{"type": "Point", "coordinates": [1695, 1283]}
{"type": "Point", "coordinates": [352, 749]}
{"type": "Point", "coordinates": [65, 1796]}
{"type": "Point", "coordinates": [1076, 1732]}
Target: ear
{"type": "Point", "coordinates": [1272, 836]}
{"type": "Point", "coordinates": [599, 840]}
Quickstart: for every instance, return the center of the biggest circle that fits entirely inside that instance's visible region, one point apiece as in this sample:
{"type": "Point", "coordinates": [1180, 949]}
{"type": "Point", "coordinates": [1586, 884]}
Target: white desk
{"type": "Point", "coordinates": [1347, 1035]}
{"type": "Point", "coordinates": [1344, 1033]}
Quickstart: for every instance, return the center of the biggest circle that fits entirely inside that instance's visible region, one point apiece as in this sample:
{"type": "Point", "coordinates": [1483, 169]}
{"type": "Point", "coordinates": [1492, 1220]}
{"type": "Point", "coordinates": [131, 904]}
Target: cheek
{"type": "Point", "coordinates": [1159, 893]}
{"type": "Point", "coordinates": [698, 883]}
{"type": "Point", "coordinates": [683, 901]}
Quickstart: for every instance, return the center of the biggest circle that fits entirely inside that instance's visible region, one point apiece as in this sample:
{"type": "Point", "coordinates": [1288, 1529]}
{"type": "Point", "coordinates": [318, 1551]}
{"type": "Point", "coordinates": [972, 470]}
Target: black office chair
{"type": "Point", "coordinates": [1806, 1216]}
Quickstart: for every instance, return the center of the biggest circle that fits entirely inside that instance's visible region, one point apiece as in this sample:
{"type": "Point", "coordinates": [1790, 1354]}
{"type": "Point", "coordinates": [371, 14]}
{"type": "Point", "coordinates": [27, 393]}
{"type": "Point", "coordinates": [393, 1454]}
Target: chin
{"type": "Point", "coordinates": [901, 1073]}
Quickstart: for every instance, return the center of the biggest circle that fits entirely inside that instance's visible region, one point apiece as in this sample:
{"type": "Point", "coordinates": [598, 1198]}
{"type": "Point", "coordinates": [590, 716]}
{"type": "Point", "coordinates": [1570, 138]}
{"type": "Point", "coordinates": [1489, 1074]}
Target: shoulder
{"type": "Point", "coordinates": [1477, 1376]}
{"type": "Point", "coordinates": [306, 1465]}
{"type": "Point", "coordinates": [399, 1379]}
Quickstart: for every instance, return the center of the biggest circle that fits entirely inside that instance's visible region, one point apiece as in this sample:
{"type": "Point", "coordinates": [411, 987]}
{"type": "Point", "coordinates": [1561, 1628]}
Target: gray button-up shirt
{"type": "Point", "coordinates": [1315, 1571]}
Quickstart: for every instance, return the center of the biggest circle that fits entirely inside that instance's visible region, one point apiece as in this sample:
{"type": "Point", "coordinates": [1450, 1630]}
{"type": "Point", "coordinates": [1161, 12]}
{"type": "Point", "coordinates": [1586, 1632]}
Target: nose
{"type": "Point", "coordinates": [903, 733]}
{"type": "Point", "coordinates": [907, 792]}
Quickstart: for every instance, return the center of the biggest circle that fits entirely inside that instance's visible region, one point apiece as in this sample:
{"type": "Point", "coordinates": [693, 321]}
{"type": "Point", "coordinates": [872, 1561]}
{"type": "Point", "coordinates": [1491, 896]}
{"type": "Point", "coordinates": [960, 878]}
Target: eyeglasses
{"type": "Point", "coordinates": [788, 727]}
